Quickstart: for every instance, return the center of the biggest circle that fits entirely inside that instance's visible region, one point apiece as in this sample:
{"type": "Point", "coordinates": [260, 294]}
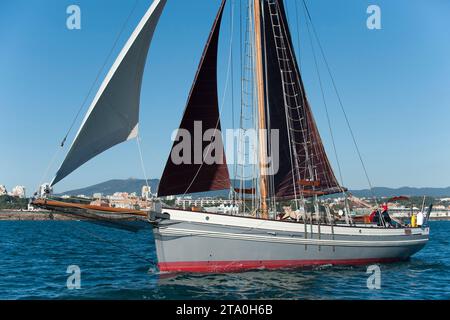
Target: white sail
{"type": "Point", "coordinates": [113, 116]}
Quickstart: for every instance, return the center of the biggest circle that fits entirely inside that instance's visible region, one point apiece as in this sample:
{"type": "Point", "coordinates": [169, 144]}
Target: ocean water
{"type": "Point", "coordinates": [116, 264]}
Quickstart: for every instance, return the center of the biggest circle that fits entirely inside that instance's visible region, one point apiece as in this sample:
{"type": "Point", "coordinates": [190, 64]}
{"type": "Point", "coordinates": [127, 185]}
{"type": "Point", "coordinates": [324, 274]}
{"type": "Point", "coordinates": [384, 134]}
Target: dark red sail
{"type": "Point", "coordinates": [202, 108]}
{"type": "Point", "coordinates": [304, 168]}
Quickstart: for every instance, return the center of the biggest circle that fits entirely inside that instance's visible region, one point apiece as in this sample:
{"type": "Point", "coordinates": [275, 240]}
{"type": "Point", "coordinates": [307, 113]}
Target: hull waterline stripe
{"type": "Point", "coordinates": [230, 266]}
{"type": "Point", "coordinates": [275, 239]}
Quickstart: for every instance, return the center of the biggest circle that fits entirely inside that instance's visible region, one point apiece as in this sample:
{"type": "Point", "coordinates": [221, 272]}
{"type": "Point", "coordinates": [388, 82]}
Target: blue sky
{"type": "Point", "coordinates": [395, 84]}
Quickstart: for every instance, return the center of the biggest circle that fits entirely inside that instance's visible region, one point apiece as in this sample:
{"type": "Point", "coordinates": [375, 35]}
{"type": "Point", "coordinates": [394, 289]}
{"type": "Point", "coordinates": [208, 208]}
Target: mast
{"type": "Point", "coordinates": [261, 109]}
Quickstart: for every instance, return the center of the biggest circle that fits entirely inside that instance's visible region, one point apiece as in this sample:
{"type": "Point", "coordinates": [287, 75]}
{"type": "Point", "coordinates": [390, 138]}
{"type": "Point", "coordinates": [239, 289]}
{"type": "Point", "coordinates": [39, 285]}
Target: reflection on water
{"type": "Point", "coordinates": [248, 285]}
{"type": "Point", "coordinates": [119, 265]}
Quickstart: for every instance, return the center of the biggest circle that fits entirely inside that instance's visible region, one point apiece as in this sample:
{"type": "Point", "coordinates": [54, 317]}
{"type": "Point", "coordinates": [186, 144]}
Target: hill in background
{"type": "Point", "coordinates": [404, 191]}
{"type": "Point", "coordinates": [135, 185]}
{"type": "Point", "coordinates": [113, 186]}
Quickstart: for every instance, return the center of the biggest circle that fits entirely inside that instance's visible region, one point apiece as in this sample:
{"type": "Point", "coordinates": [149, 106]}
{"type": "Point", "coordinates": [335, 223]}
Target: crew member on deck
{"type": "Point", "coordinates": [414, 221]}
{"type": "Point", "coordinates": [375, 217]}
{"type": "Point", "coordinates": [385, 214]}
{"type": "Point", "coordinates": [420, 219]}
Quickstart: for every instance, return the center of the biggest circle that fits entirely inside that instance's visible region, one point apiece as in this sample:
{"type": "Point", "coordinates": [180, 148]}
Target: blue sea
{"type": "Point", "coordinates": [117, 264]}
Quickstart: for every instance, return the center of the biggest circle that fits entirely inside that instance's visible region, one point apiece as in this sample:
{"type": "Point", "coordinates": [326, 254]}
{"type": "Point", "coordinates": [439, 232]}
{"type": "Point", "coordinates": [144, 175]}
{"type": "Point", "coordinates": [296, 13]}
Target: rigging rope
{"type": "Point", "coordinates": [247, 121]}
{"type": "Point", "coordinates": [298, 37]}
{"type": "Point", "coordinates": [47, 171]}
{"type": "Point", "coordinates": [99, 74]}
{"type": "Point", "coordinates": [138, 140]}
{"type": "Point", "coordinates": [63, 141]}
{"type": "Point", "coordinates": [291, 118]}
{"type": "Point", "coordinates": [340, 101]}
{"type": "Point", "coordinates": [232, 193]}
{"type": "Point", "coordinates": [271, 177]}
{"type": "Point", "coordinates": [325, 104]}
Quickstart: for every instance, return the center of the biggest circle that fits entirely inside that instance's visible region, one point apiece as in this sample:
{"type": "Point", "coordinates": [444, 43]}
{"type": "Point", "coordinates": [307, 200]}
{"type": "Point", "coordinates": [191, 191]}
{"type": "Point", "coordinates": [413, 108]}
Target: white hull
{"type": "Point", "coordinates": [204, 242]}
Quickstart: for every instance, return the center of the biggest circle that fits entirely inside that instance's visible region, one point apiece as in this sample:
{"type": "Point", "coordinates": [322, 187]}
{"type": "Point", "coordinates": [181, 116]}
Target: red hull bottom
{"type": "Point", "coordinates": [238, 266]}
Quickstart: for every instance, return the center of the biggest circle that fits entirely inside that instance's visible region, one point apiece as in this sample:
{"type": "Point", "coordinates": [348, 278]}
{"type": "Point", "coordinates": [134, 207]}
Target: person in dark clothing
{"type": "Point", "coordinates": [375, 217]}
{"type": "Point", "coordinates": [387, 219]}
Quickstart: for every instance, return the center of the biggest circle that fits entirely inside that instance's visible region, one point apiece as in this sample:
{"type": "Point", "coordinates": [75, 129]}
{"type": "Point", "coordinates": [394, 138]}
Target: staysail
{"type": "Point", "coordinates": [113, 116]}
{"type": "Point", "coordinates": [200, 116]}
{"type": "Point", "coordinates": [304, 168]}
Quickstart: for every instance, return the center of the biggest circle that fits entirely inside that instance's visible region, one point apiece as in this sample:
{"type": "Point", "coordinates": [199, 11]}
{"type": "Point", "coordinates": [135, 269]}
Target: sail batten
{"type": "Point", "coordinates": [202, 109]}
{"type": "Point", "coordinates": [113, 116]}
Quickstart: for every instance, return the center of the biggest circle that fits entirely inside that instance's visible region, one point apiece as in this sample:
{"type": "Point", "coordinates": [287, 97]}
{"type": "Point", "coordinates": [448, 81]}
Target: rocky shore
{"type": "Point", "coordinates": [11, 215]}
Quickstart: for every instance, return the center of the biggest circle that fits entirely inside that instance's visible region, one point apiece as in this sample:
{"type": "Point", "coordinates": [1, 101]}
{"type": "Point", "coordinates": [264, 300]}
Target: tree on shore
{"type": "Point", "coordinates": [13, 203]}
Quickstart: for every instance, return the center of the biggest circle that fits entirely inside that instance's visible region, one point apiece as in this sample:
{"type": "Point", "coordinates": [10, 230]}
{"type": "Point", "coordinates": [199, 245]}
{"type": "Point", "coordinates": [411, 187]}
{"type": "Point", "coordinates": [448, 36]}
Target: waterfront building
{"type": "Point", "coordinates": [146, 192]}
{"type": "Point", "coordinates": [119, 195]}
{"type": "Point", "coordinates": [19, 192]}
{"type": "Point", "coordinates": [97, 195]}
{"type": "Point", "coordinates": [124, 200]}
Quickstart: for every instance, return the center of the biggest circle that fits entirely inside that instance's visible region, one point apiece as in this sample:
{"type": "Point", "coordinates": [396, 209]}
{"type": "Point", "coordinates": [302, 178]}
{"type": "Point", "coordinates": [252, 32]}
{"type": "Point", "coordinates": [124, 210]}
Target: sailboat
{"type": "Point", "coordinates": [255, 237]}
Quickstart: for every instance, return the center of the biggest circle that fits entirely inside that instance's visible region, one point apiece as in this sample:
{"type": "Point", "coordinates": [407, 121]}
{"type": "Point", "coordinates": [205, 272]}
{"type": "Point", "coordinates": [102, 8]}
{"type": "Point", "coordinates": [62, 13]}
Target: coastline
{"type": "Point", "coordinates": [41, 215]}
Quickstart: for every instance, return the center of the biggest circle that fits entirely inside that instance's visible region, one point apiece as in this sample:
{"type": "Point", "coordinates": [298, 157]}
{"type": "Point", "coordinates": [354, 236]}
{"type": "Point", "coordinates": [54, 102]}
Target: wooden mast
{"type": "Point", "coordinates": [261, 110]}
